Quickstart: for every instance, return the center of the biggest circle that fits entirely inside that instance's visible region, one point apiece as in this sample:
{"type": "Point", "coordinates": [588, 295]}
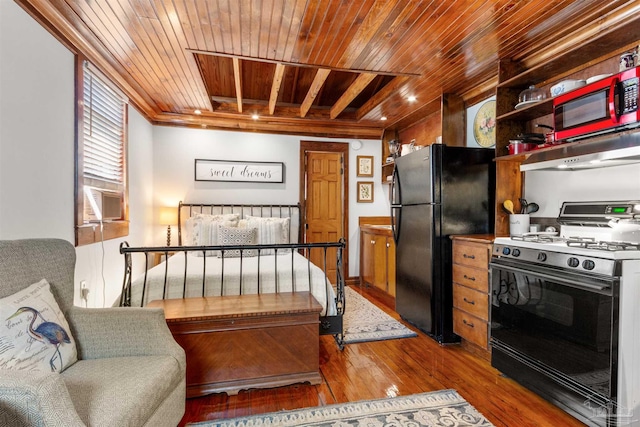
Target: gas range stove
{"type": "Point", "coordinates": [588, 242]}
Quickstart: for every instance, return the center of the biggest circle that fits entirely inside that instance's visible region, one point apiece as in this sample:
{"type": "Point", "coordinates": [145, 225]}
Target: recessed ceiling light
{"type": "Point", "coordinates": [383, 118]}
{"type": "Point", "coordinates": [255, 116]}
{"type": "Point", "coordinates": [197, 112]}
{"type": "Point", "coordinates": [411, 98]}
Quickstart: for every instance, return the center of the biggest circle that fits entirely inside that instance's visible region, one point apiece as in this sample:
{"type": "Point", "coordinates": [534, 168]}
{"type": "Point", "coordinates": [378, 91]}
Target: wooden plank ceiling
{"type": "Point", "coordinates": [314, 67]}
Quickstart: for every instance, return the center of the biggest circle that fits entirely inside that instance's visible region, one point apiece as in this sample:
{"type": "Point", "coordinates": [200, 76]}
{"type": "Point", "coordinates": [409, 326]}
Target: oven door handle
{"type": "Point", "coordinates": [582, 285]}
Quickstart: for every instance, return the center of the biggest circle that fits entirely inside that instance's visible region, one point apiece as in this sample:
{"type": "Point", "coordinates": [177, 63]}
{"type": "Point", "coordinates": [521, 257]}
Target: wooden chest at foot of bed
{"type": "Point", "coordinates": [240, 342]}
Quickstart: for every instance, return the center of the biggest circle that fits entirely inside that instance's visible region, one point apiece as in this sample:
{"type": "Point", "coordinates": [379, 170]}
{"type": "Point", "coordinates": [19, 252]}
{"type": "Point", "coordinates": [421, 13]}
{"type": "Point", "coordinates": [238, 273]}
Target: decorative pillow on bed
{"type": "Point", "coordinates": [34, 334]}
{"type": "Point", "coordinates": [234, 236]}
{"type": "Point", "coordinates": [271, 230]}
{"type": "Point", "coordinates": [202, 230]}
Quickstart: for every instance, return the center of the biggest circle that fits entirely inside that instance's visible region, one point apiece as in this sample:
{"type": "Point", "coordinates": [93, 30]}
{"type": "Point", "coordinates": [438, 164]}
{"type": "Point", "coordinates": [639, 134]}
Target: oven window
{"type": "Point", "coordinates": [566, 328]}
{"type": "Point", "coordinates": [587, 109]}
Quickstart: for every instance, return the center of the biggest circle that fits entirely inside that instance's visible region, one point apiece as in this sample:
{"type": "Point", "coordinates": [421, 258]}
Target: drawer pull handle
{"type": "Point", "coordinates": [469, 324]}
{"type": "Point", "coordinates": [472, 278]}
{"type": "Point", "coordinates": [469, 256]}
{"type": "Point", "coordinates": [469, 302]}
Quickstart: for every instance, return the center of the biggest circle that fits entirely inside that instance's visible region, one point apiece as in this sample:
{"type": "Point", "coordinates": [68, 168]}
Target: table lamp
{"type": "Point", "coordinates": [168, 217]}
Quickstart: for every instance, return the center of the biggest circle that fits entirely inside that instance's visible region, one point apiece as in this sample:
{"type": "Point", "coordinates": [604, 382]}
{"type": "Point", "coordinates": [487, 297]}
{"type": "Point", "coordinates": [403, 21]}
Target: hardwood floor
{"type": "Point", "coordinates": [392, 368]}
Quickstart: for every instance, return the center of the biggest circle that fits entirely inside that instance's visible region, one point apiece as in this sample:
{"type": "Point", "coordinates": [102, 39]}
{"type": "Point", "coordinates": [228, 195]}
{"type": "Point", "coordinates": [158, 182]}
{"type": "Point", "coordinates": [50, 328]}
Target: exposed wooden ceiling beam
{"type": "Point", "coordinates": [237, 77]}
{"type": "Point", "coordinates": [318, 81]}
{"type": "Point", "coordinates": [275, 87]}
{"type": "Point", "coordinates": [352, 91]}
{"type": "Point", "coordinates": [381, 96]}
{"type": "Point", "coordinates": [275, 124]}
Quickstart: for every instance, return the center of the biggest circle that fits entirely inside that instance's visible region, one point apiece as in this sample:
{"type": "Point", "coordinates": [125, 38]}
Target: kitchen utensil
{"type": "Point", "coordinates": [625, 230]}
{"type": "Point", "coordinates": [518, 224]}
{"type": "Point", "coordinates": [536, 138]}
{"type": "Point", "coordinates": [549, 137]}
{"type": "Point", "coordinates": [523, 104]}
{"type": "Point", "coordinates": [597, 77]}
{"type": "Point", "coordinates": [508, 206]}
{"type": "Point", "coordinates": [532, 207]}
{"type": "Point", "coordinates": [566, 86]}
{"type": "Point", "coordinates": [517, 146]}
{"type": "Point", "coordinates": [627, 60]}
{"type": "Point", "coordinates": [531, 94]}
{"type": "Point", "coordinates": [523, 205]}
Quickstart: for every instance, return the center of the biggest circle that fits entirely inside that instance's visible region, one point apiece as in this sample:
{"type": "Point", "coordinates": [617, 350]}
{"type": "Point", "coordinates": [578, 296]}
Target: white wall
{"type": "Point", "coordinates": [37, 152]}
{"type": "Point", "coordinates": [175, 150]}
{"type": "Point", "coordinates": [550, 188]}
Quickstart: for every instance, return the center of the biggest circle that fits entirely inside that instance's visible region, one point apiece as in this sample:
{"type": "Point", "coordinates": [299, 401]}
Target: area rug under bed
{"type": "Point", "coordinates": [438, 408]}
{"type": "Point", "coordinates": [363, 321]}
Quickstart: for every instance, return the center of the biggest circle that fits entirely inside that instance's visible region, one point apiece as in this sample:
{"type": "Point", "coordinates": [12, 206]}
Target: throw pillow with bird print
{"type": "Point", "coordinates": [34, 334]}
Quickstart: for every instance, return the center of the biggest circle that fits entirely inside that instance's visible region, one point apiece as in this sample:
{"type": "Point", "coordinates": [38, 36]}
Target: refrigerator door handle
{"type": "Point", "coordinates": [396, 210]}
{"type": "Point", "coordinates": [396, 214]}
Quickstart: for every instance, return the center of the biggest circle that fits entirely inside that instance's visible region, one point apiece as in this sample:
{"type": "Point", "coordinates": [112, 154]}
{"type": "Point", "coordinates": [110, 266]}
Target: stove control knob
{"type": "Point", "coordinates": [515, 252]}
{"type": "Point", "coordinates": [588, 264]}
{"type": "Point", "coordinates": [542, 257]}
{"type": "Point", "coordinates": [506, 251]}
{"type": "Point", "coordinates": [573, 262]}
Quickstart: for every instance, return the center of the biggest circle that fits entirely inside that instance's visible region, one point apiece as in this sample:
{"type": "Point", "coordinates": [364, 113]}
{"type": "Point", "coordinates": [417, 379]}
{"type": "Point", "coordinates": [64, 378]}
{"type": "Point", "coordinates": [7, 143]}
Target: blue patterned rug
{"type": "Point", "coordinates": [363, 321]}
{"type": "Point", "coordinates": [438, 408]}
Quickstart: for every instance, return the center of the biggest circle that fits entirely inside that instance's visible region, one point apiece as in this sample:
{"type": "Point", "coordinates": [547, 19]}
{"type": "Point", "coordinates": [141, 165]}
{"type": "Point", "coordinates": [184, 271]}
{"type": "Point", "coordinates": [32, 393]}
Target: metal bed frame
{"type": "Point", "coordinates": [329, 324]}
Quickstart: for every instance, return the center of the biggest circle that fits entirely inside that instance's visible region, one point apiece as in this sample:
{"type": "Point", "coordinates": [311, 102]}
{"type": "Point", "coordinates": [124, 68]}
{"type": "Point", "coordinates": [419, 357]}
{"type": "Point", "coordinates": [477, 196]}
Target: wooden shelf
{"type": "Point", "coordinates": [530, 112]}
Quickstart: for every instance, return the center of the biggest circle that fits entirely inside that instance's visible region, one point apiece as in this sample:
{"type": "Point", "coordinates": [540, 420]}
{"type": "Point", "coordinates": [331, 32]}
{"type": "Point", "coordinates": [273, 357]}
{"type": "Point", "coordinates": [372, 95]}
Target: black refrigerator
{"type": "Point", "coordinates": [436, 192]}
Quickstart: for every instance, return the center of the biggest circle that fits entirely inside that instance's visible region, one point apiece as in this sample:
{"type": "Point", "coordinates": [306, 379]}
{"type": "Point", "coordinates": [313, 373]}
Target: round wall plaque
{"type": "Point", "coordinates": [484, 125]}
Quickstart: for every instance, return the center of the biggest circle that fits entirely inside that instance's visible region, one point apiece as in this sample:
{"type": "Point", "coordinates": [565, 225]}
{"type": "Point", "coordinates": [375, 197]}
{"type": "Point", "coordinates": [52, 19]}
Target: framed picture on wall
{"type": "Point", "coordinates": [365, 192]}
{"type": "Point", "coordinates": [481, 124]}
{"type": "Point", "coordinates": [365, 165]}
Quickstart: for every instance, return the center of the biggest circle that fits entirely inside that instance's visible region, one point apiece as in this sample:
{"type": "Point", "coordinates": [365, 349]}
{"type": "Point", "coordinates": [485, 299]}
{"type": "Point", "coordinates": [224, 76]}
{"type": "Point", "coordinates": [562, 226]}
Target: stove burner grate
{"type": "Point", "coordinates": [591, 243]}
{"type": "Point", "coordinates": [540, 238]}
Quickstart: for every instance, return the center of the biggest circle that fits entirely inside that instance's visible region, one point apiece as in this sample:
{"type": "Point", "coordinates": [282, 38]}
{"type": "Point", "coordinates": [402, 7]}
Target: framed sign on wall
{"type": "Point", "coordinates": [365, 192]}
{"type": "Point", "coordinates": [238, 171]}
{"type": "Point", "coordinates": [365, 165]}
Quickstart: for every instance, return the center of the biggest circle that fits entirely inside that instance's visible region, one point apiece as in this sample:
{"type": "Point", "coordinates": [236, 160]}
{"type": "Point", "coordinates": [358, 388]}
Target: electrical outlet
{"type": "Point", "coordinates": [84, 291]}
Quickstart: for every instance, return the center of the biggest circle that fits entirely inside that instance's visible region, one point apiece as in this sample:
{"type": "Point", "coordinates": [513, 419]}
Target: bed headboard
{"type": "Point", "coordinates": [187, 210]}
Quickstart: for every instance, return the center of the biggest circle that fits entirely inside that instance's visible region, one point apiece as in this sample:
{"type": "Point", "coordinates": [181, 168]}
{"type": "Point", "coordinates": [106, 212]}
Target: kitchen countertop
{"type": "Point", "coordinates": [377, 229]}
{"type": "Point", "coordinates": [478, 238]}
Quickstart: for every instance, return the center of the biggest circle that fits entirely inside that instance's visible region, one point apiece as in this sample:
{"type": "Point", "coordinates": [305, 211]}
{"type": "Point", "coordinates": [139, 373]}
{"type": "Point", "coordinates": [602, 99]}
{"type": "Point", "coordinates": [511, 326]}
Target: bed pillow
{"type": "Point", "coordinates": [234, 236]}
{"type": "Point", "coordinates": [34, 334]}
{"type": "Point", "coordinates": [202, 230]}
{"type": "Point", "coordinates": [271, 230]}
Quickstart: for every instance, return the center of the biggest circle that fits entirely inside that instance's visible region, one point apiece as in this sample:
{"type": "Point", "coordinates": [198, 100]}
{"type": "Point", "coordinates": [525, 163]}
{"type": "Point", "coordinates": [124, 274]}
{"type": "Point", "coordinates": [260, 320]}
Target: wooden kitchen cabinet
{"type": "Point", "coordinates": [471, 289]}
{"type": "Point", "coordinates": [378, 258]}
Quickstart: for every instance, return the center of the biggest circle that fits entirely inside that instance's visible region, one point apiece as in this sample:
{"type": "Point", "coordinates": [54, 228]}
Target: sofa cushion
{"type": "Point", "coordinates": [121, 391]}
{"type": "Point", "coordinates": [34, 334]}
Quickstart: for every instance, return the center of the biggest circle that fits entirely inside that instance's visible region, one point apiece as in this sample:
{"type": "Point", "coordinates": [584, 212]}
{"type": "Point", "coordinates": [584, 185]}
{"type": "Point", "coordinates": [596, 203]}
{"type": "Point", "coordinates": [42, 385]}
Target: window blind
{"type": "Point", "coordinates": [103, 141]}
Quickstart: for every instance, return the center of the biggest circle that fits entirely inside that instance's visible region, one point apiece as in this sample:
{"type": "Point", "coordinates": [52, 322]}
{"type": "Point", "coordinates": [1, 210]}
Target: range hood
{"type": "Point", "coordinates": [605, 151]}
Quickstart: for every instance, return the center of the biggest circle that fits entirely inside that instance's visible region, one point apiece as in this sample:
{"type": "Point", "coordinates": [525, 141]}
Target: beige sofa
{"type": "Point", "coordinates": [130, 371]}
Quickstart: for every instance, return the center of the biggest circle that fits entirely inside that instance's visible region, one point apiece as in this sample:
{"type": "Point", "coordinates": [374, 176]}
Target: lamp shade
{"type": "Point", "coordinates": [168, 215]}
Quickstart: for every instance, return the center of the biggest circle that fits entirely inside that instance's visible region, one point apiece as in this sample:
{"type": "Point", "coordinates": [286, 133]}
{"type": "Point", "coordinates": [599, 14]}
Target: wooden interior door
{"type": "Point", "coordinates": [325, 201]}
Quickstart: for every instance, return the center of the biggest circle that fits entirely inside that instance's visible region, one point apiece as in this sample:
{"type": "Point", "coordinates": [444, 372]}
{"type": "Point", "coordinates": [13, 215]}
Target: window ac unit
{"type": "Point", "coordinates": [102, 205]}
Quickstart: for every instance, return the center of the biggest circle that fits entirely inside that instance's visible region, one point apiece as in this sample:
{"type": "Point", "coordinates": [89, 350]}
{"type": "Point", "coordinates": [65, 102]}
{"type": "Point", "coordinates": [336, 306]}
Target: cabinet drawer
{"type": "Point", "coordinates": [471, 277]}
{"type": "Point", "coordinates": [471, 328]}
{"type": "Point", "coordinates": [470, 254]}
{"type": "Point", "coordinates": [471, 301]}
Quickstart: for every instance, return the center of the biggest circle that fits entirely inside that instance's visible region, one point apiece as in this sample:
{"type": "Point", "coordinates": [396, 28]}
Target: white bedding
{"type": "Point", "coordinates": [234, 277]}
